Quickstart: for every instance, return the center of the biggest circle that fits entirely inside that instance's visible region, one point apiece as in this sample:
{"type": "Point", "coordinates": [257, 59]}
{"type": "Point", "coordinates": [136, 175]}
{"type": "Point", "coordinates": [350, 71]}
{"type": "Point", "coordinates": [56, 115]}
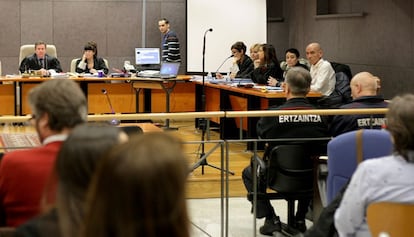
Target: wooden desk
{"type": "Point", "coordinates": [224, 97]}
{"type": "Point", "coordinates": [7, 99]}
{"type": "Point", "coordinates": [146, 127]}
{"type": "Point", "coordinates": [123, 95]}
{"type": "Point", "coordinates": [167, 85]}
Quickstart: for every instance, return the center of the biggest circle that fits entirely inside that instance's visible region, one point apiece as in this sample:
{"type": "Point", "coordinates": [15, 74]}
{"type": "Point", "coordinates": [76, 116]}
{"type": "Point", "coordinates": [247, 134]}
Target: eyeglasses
{"type": "Point", "coordinates": [32, 118]}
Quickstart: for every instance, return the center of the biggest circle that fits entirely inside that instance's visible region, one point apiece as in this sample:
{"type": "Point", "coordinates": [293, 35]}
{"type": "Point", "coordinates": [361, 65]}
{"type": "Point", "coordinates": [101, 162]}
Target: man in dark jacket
{"type": "Point", "coordinates": [364, 93]}
{"type": "Point", "coordinates": [297, 85]}
{"type": "Point", "coordinates": [40, 61]}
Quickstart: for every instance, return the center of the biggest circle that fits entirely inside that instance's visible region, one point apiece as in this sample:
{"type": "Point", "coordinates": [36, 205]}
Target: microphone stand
{"type": "Point", "coordinates": [113, 121]}
{"type": "Point", "coordinates": [203, 121]}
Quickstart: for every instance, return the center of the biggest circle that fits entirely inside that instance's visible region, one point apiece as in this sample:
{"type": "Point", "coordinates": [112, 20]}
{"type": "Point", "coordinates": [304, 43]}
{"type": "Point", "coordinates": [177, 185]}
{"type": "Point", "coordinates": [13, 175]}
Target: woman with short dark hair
{"type": "Point", "coordinates": [90, 62]}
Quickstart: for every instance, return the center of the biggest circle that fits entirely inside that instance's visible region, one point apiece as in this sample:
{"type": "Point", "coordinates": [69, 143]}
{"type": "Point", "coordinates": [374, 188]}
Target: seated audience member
{"type": "Point", "coordinates": [58, 106]}
{"type": "Point", "coordinates": [254, 49]}
{"type": "Point", "coordinates": [269, 66]}
{"type": "Point", "coordinates": [297, 85]}
{"type": "Point", "coordinates": [90, 63]}
{"type": "Point", "coordinates": [364, 94]}
{"type": "Point", "coordinates": [75, 165]}
{"type": "Point", "coordinates": [123, 200]}
{"type": "Point", "coordinates": [242, 62]}
{"type": "Point", "coordinates": [323, 75]}
{"type": "Point", "coordinates": [40, 61]}
{"type": "Point", "coordinates": [386, 179]}
{"type": "Point", "coordinates": [292, 60]}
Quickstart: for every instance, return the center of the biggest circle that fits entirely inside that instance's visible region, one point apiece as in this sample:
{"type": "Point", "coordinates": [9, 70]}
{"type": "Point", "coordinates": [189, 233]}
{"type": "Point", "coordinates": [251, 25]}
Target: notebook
{"type": "Point", "coordinates": [167, 70]}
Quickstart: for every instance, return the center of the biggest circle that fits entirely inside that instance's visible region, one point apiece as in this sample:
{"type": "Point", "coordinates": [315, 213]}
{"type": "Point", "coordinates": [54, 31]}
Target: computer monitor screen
{"type": "Point", "coordinates": [147, 56]}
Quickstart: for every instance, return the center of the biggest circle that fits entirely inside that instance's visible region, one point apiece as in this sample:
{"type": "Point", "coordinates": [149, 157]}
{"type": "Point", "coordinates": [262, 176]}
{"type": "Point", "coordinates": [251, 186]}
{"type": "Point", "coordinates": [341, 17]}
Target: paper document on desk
{"type": "Point", "coordinates": [269, 88]}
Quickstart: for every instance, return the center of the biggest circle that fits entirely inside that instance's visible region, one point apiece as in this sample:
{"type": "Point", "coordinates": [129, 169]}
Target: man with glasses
{"type": "Point", "coordinates": [57, 107]}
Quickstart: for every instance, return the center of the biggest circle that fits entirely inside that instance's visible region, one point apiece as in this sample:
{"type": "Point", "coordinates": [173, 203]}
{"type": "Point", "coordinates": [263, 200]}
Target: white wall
{"type": "Point", "coordinates": [231, 21]}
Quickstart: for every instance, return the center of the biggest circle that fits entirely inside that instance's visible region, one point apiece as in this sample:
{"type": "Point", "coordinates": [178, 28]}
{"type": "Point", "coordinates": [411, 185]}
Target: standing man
{"type": "Point", "coordinates": [297, 86]}
{"type": "Point", "coordinates": [57, 106]}
{"type": "Point", "coordinates": [170, 45]}
{"type": "Point", "coordinates": [323, 75]}
{"type": "Point", "coordinates": [364, 87]}
{"type": "Point", "coordinates": [46, 64]}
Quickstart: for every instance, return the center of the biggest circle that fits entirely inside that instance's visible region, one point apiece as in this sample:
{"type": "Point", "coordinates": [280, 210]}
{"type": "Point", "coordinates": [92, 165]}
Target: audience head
{"type": "Point", "coordinates": [297, 82]}
{"type": "Point", "coordinates": [139, 190]}
{"type": "Point", "coordinates": [253, 51]}
{"type": "Point", "coordinates": [40, 49]}
{"type": "Point", "coordinates": [57, 106]}
{"type": "Point", "coordinates": [91, 49]}
{"type": "Point", "coordinates": [75, 164]}
{"type": "Point", "coordinates": [164, 25]}
{"type": "Point", "coordinates": [314, 53]}
{"type": "Point", "coordinates": [364, 84]}
{"type": "Point", "coordinates": [267, 54]}
{"type": "Point", "coordinates": [292, 57]}
{"type": "Point", "coordinates": [400, 123]}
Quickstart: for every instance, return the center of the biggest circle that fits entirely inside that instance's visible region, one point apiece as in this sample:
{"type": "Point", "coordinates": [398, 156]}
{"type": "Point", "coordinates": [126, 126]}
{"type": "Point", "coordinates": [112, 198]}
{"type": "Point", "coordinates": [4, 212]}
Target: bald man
{"type": "Point", "coordinates": [364, 87]}
{"type": "Point", "coordinates": [323, 75]}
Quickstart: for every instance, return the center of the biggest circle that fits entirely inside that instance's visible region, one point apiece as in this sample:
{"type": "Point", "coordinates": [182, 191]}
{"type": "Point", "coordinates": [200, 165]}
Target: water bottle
{"type": "Point", "coordinates": [209, 76]}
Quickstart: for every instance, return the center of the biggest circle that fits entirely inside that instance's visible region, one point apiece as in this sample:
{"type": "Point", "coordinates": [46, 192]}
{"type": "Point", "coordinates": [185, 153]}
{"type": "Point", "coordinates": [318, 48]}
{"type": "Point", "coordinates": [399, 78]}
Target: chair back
{"type": "Point", "coordinates": [73, 64]}
{"type": "Point", "coordinates": [391, 218]}
{"type": "Point", "coordinates": [290, 169]}
{"type": "Point", "coordinates": [29, 49]}
{"type": "Point", "coordinates": [342, 155]}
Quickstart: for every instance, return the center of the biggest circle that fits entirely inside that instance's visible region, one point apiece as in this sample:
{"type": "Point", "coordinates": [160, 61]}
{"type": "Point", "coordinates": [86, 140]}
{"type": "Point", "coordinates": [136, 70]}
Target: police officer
{"type": "Point", "coordinates": [297, 85]}
{"type": "Point", "coordinates": [364, 87]}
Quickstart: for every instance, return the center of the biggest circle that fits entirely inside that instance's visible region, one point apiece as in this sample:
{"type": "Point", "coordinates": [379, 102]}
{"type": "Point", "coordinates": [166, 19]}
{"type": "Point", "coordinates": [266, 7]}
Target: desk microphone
{"type": "Point", "coordinates": [113, 121]}
{"type": "Point", "coordinates": [225, 60]}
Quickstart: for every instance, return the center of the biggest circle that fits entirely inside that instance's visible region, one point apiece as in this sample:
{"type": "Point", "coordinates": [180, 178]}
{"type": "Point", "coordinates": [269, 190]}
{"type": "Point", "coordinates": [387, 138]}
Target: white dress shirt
{"type": "Point", "coordinates": [386, 179]}
{"type": "Point", "coordinates": [323, 77]}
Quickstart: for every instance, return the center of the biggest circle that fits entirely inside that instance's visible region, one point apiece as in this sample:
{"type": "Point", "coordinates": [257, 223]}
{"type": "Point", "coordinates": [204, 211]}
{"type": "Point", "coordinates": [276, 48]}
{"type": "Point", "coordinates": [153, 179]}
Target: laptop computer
{"type": "Point", "coordinates": [167, 70]}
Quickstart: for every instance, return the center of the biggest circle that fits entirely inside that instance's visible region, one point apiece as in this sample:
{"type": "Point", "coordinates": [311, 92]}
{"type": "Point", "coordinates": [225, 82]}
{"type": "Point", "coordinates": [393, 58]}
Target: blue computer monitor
{"type": "Point", "coordinates": [147, 56]}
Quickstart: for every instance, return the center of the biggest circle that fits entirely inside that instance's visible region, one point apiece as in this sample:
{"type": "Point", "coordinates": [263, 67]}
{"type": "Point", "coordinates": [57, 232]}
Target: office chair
{"type": "Point", "coordinates": [73, 64]}
{"type": "Point", "coordinates": [391, 218]}
{"type": "Point", "coordinates": [342, 155]}
{"type": "Point", "coordinates": [29, 49]}
{"type": "Point", "coordinates": [290, 174]}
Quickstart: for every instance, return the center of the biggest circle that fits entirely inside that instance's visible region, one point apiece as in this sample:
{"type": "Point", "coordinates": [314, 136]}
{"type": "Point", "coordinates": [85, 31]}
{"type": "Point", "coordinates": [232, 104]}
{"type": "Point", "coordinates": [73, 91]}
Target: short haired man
{"type": "Point", "coordinates": [297, 85]}
{"type": "Point", "coordinates": [364, 87]}
{"type": "Point", "coordinates": [323, 75]}
{"type": "Point", "coordinates": [170, 44]}
{"type": "Point", "coordinates": [40, 61]}
{"type": "Point", "coordinates": [58, 106]}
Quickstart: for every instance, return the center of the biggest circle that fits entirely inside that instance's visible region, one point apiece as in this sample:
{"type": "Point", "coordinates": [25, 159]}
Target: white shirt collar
{"type": "Point", "coordinates": [55, 138]}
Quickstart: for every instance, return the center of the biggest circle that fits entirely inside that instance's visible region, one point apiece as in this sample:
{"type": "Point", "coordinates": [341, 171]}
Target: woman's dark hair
{"type": "Point", "coordinates": [75, 164]}
{"type": "Point", "coordinates": [294, 51]}
{"type": "Point", "coordinates": [139, 190]}
{"type": "Point", "coordinates": [92, 45]}
{"type": "Point", "coordinates": [269, 54]}
{"type": "Point", "coordinates": [400, 123]}
{"type": "Point", "coordinates": [239, 46]}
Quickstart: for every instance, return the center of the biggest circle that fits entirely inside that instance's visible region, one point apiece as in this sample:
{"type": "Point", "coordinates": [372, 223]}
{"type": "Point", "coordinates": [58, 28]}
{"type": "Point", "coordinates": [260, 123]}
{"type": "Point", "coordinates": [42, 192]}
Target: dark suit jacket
{"type": "Point", "coordinates": [98, 64]}
{"type": "Point", "coordinates": [32, 63]}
